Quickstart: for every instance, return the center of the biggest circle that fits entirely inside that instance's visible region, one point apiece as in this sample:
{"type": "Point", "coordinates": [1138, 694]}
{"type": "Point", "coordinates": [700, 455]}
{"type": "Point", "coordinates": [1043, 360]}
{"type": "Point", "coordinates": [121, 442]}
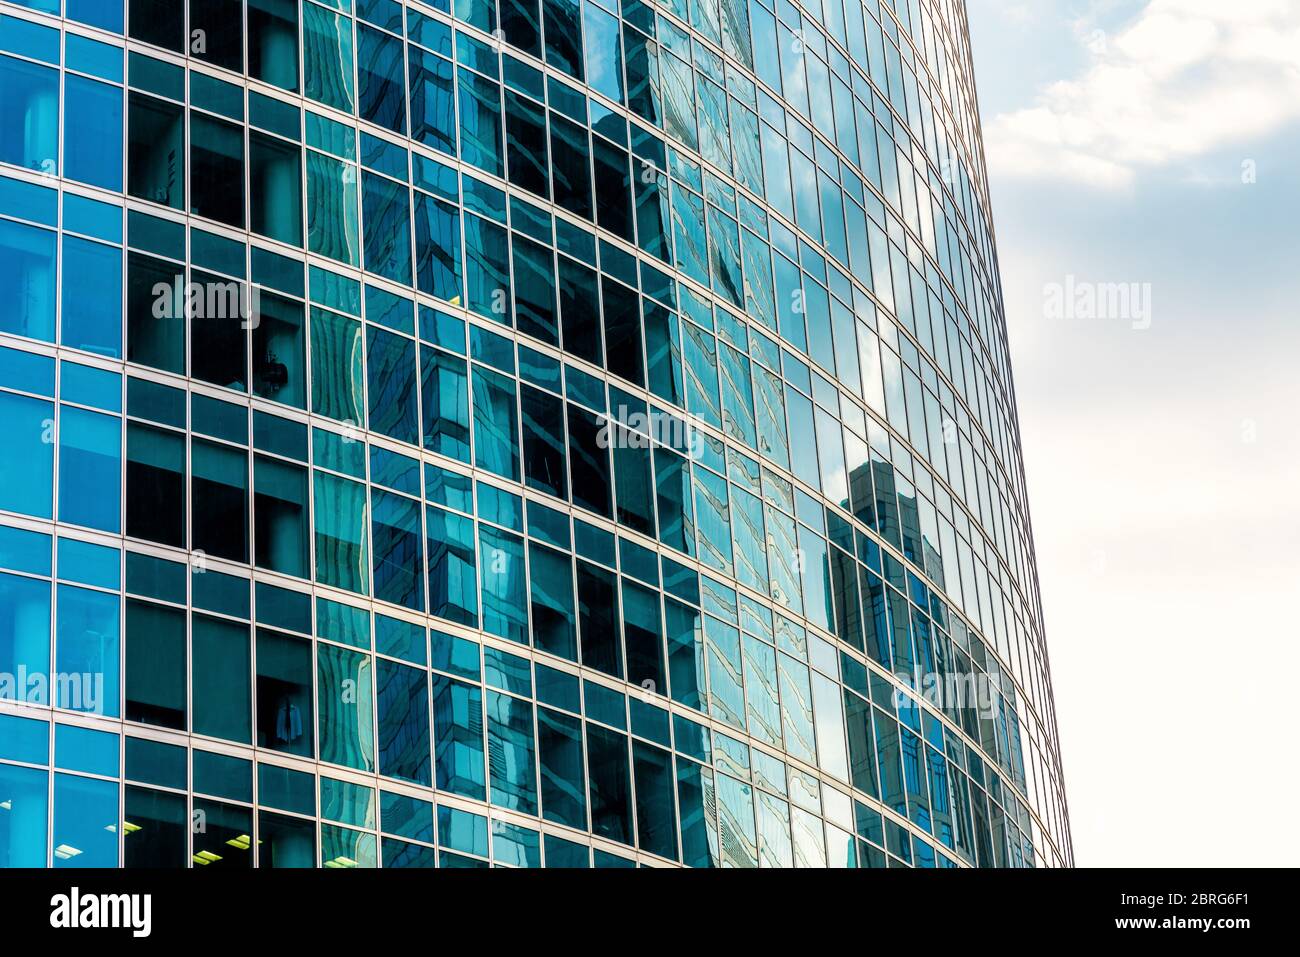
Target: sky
{"type": "Point", "coordinates": [1144, 167]}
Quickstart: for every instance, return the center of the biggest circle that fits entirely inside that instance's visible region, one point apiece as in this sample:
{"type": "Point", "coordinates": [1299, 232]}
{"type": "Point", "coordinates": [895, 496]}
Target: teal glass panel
{"type": "Point", "coordinates": [345, 707]}
{"type": "Point", "coordinates": [458, 739]}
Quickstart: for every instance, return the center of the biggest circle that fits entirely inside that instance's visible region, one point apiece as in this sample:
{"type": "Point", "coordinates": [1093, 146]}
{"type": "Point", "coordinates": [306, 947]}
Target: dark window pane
{"type": "Point", "coordinates": [219, 486]}
{"type": "Point", "coordinates": [221, 41]}
{"type": "Point", "coordinates": [656, 818]}
{"type": "Point", "coordinates": [623, 330]}
{"type": "Point", "coordinates": [534, 285]}
{"type": "Point", "coordinates": [610, 789]}
{"type": "Point", "coordinates": [284, 693]}
{"type": "Point", "coordinates": [154, 829]}
{"type": "Point", "coordinates": [275, 188]}
{"type": "Point", "coordinates": [156, 155]}
{"type": "Point", "coordinates": [559, 751]}
{"type": "Point", "coordinates": [285, 841]}
{"type": "Point", "coordinates": [222, 835]}
{"type": "Point", "coordinates": [526, 144]}
{"type": "Point", "coordinates": [588, 461]}
{"type": "Point", "coordinates": [160, 22]}
{"type": "Point", "coordinates": [598, 620]}
{"type": "Point", "coordinates": [642, 636]}
{"type": "Point", "coordinates": [571, 166]}
{"type": "Point", "coordinates": [543, 420]}
{"type": "Point", "coordinates": [553, 613]}
{"type": "Point", "coordinates": [580, 312]}
{"type": "Point", "coordinates": [520, 20]}
{"type": "Point", "coordinates": [273, 42]}
{"type": "Point", "coordinates": [280, 516]}
{"type": "Point", "coordinates": [220, 675]}
{"type": "Point", "coordinates": [216, 170]}
{"type": "Point", "coordinates": [155, 665]}
{"type": "Point", "coordinates": [219, 331]}
{"type": "Point", "coordinates": [155, 485]}
{"type": "Point", "coordinates": [563, 28]}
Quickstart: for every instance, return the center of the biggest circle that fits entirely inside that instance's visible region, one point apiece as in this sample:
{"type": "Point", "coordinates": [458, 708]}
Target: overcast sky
{"type": "Point", "coordinates": [1157, 143]}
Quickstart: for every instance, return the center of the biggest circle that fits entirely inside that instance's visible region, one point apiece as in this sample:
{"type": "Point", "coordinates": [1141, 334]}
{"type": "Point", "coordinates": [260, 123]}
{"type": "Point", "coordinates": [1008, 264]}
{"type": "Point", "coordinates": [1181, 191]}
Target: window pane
{"type": "Point", "coordinates": [480, 122]}
{"type": "Point", "coordinates": [273, 42]}
{"type": "Point", "coordinates": [278, 357]}
{"type": "Point", "coordinates": [25, 635]}
{"type": "Point", "coordinates": [332, 225]}
{"type": "Point", "coordinates": [27, 458]}
{"type": "Point", "coordinates": [553, 613]}
{"type": "Point", "coordinates": [284, 693]}
{"type": "Point", "coordinates": [458, 736]}
{"type": "Point", "coordinates": [394, 403]}
{"type": "Point", "coordinates": [656, 817]}
{"type": "Point", "coordinates": [398, 544]}
{"type": "Point", "coordinates": [219, 487]}
{"type": "Point", "coordinates": [387, 214]}
{"type": "Point", "coordinates": [85, 822]}
{"type": "Point", "coordinates": [381, 97]}
{"type": "Point", "coordinates": [29, 115]}
{"type": "Point", "coordinates": [216, 170]}
{"type": "Point", "coordinates": [92, 297]}
{"type": "Point", "coordinates": [23, 822]}
{"type": "Point", "coordinates": [403, 696]}
{"type": "Point", "coordinates": [155, 485]}
{"type": "Point", "coordinates": [588, 462]}
{"type": "Point", "coordinates": [159, 22]}
{"type": "Point", "coordinates": [155, 831]}
{"type": "Point", "coordinates": [327, 57]}
{"type": "Point", "coordinates": [563, 788]}
{"type": "Point", "coordinates": [502, 575]}
{"type": "Point", "coordinates": [437, 248]}
{"type": "Point", "coordinates": [221, 41]}
{"type": "Point", "coordinates": [496, 426]}
{"type": "Point", "coordinates": [218, 331]}
{"type": "Point", "coordinates": [285, 841]}
{"type": "Point", "coordinates": [221, 676]}
{"type": "Point", "coordinates": [92, 132]}
{"type": "Point", "coordinates": [155, 308]}
{"type": "Point", "coordinates": [444, 388]}
{"type": "Point", "coordinates": [598, 620]}
{"type": "Point", "coordinates": [275, 188]}
{"type": "Point", "coordinates": [222, 835]}
{"type": "Point", "coordinates": [280, 516]}
{"type": "Point", "coordinates": [27, 280]}
{"type": "Point", "coordinates": [510, 745]}
{"type": "Point", "coordinates": [346, 707]}
{"type": "Point", "coordinates": [543, 448]}
{"type": "Point", "coordinates": [341, 520]}
{"type": "Point", "coordinates": [155, 665]}
{"type": "Point", "coordinates": [336, 366]}
{"type": "Point", "coordinates": [453, 583]}
{"type": "Point", "coordinates": [156, 157]}
{"type": "Point", "coordinates": [86, 645]}
{"type": "Point", "coordinates": [610, 787]}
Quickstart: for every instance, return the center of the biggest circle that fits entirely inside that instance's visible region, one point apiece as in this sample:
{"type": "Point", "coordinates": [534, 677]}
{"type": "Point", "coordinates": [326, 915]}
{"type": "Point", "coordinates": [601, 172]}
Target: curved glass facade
{"type": "Point", "coordinates": [542, 432]}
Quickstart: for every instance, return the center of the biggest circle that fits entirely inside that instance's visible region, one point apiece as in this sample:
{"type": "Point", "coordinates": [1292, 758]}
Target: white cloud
{"type": "Point", "coordinates": [1183, 78]}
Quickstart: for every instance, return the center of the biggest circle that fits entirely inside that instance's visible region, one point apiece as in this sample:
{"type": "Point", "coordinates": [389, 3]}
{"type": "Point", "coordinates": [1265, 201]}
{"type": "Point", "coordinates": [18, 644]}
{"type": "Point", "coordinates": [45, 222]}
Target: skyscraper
{"type": "Point", "coordinates": [543, 432]}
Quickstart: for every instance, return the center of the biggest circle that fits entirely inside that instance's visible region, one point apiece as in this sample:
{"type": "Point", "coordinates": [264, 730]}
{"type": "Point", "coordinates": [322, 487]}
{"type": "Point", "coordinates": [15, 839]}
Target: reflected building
{"type": "Point", "coordinates": [555, 433]}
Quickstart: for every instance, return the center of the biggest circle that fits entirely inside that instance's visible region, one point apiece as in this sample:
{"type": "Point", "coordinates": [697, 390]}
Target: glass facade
{"type": "Point", "coordinates": [534, 432]}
